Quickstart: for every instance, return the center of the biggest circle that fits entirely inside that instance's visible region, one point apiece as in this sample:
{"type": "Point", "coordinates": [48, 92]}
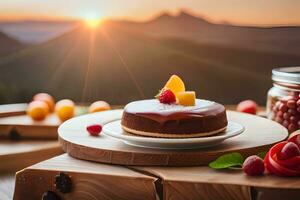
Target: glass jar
{"type": "Point", "coordinates": [283, 101]}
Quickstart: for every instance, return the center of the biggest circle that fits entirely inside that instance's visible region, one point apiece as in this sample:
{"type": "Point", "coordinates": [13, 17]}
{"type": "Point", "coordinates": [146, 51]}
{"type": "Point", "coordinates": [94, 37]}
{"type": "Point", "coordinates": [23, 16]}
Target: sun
{"type": "Point", "coordinates": [92, 20]}
{"type": "Point", "coordinates": [93, 23]}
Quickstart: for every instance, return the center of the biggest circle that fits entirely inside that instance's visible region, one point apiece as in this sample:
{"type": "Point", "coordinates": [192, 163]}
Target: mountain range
{"type": "Point", "coordinates": [34, 32]}
{"type": "Point", "coordinates": [280, 39]}
{"type": "Point", "coordinates": [123, 61]}
{"type": "Point", "coordinates": [9, 45]}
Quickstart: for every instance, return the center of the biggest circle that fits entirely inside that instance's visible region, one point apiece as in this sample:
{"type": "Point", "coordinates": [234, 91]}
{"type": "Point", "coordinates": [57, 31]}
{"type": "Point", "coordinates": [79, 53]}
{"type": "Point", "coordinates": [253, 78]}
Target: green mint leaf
{"type": "Point", "coordinates": [227, 161]}
{"type": "Point", "coordinates": [159, 92]}
{"type": "Point", "coordinates": [236, 167]}
{"type": "Point", "coordinates": [262, 155]}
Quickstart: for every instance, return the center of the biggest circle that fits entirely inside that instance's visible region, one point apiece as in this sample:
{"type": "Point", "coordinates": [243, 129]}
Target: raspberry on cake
{"type": "Point", "coordinates": [175, 114]}
{"type": "Point", "coordinates": [167, 97]}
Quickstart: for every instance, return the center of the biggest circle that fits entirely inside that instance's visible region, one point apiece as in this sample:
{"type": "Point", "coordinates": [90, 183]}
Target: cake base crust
{"type": "Point", "coordinates": [170, 135]}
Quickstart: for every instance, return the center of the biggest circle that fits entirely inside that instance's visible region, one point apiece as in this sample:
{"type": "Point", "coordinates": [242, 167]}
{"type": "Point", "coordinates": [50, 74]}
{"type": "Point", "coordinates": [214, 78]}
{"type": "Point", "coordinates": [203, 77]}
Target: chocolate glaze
{"type": "Point", "coordinates": [152, 116]}
{"type": "Point", "coordinates": [163, 113]}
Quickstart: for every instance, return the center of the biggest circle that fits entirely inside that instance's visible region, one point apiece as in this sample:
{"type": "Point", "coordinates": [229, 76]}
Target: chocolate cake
{"type": "Point", "coordinates": [152, 118]}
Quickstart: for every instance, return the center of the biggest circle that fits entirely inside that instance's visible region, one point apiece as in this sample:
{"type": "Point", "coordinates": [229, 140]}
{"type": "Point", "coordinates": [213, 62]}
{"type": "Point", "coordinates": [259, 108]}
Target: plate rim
{"type": "Point", "coordinates": [172, 140]}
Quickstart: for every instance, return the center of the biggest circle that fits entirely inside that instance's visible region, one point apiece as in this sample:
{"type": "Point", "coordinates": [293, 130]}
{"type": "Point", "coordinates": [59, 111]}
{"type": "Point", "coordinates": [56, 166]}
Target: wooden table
{"type": "Point", "coordinates": [90, 180]}
{"type": "Point", "coordinates": [102, 181]}
{"type": "Point", "coordinates": [7, 185]}
{"type": "Point", "coordinates": [16, 155]}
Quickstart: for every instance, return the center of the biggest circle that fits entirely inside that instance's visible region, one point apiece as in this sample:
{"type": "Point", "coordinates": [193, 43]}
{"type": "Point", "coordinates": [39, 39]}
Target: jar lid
{"type": "Point", "coordinates": [286, 75]}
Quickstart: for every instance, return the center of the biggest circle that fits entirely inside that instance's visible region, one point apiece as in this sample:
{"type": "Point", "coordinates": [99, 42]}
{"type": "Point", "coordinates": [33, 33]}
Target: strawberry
{"type": "Point", "coordinates": [254, 166]}
{"type": "Point", "coordinates": [94, 130]}
{"type": "Point", "coordinates": [247, 106]}
{"type": "Point", "coordinates": [167, 97]}
{"type": "Point", "coordinates": [289, 150]}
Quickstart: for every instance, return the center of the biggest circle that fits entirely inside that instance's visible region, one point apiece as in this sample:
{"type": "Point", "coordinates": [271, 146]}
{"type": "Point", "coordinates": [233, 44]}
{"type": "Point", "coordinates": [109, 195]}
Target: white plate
{"type": "Point", "coordinates": [115, 130]}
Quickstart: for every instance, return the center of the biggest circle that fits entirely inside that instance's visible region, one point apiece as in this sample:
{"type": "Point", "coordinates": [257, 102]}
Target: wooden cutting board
{"type": "Point", "coordinates": [13, 109]}
{"type": "Point", "coordinates": [15, 155]}
{"type": "Point", "coordinates": [259, 135]}
{"type": "Point", "coordinates": [22, 126]}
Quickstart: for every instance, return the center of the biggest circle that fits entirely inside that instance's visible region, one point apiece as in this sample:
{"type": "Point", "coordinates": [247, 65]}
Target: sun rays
{"type": "Point", "coordinates": [92, 20]}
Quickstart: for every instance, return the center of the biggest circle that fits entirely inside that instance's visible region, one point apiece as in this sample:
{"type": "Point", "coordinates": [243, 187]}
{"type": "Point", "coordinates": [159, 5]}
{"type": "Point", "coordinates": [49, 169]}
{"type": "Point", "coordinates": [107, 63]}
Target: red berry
{"type": "Point", "coordinates": [279, 114]}
{"type": "Point", "coordinates": [298, 102]}
{"type": "Point", "coordinates": [167, 97]}
{"type": "Point", "coordinates": [292, 128]}
{"type": "Point", "coordinates": [285, 123]}
{"type": "Point", "coordinates": [291, 103]}
{"type": "Point", "coordinates": [294, 119]}
{"type": "Point", "coordinates": [292, 111]}
{"type": "Point", "coordinates": [279, 120]}
{"type": "Point", "coordinates": [247, 106]}
{"type": "Point", "coordinates": [94, 129]}
{"type": "Point", "coordinates": [277, 104]}
{"type": "Point", "coordinates": [254, 166]}
{"type": "Point", "coordinates": [286, 116]}
{"type": "Point", "coordinates": [295, 138]}
{"type": "Point", "coordinates": [283, 107]}
{"type": "Point", "coordinates": [288, 151]}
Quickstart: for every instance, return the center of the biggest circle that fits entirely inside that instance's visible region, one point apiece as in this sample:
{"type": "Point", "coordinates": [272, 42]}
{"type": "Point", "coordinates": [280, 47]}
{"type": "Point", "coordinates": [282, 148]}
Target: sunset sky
{"type": "Point", "coordinates": [261, 12]}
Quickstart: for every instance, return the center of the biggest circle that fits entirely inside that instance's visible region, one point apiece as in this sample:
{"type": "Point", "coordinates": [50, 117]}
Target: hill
{"type": "Point", "coordinates": [282, 39]}
{"type": "Point", "coordinates": [8, 45]}
{"type": "Point", "coordinates": [121, 64]}
{"type": "Point", "coordinates": [34, 32]}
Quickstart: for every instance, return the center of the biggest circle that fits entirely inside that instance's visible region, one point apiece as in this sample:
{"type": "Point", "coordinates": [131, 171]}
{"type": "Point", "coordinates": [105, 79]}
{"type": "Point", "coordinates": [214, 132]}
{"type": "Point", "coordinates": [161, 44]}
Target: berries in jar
{"type": "Point", "coordinates": [283, 101]}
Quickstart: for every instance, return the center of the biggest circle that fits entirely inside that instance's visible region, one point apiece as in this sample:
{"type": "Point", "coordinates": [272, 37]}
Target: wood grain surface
{"type": "Point", "coordinates": [22, 126]}
{"type": "Point", "coordinates": [260, 133]}
{"type": "Point", "coordinates": [89, 181]}
{"type": "Point", "coordinates": [7, 184]}
{"type": "Point", "coordinates": [109, 182]}
{"type": "Point", "coordinates": [12, 109]}
{"type": "Point", "coordinates": [193, 183]}
{"type": "Point", "coordinates": [15, 155]}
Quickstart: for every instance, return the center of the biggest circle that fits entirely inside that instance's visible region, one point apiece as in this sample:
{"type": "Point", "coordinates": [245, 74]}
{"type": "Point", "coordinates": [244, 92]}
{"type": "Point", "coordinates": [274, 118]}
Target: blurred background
{"type": "Point", "coordinates": [120, 51]}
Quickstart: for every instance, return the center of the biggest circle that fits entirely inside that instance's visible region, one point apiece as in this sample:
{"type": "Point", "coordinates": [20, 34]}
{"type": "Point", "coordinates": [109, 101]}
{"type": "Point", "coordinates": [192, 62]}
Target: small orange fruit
{"type": "Point", "coordinates": [175, 84]}
{"type": "Point", "coordinates": [48, 99]}
{"type": "Point", "coordinates": [65, 109]}
{"type": "Point", "coordinates": [37, 110]}
{"type": "Point", "coordinates": [99, 106]}
{"type": "Point", "coordinates": [187, 98]}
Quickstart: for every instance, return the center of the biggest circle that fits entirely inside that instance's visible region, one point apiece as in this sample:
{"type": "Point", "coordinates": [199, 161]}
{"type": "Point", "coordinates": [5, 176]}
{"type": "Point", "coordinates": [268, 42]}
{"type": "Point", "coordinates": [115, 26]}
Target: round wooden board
{"type": "Point", "coordinates": [260, 134]}
{"type": "Point", "coordinates": [16, 126]}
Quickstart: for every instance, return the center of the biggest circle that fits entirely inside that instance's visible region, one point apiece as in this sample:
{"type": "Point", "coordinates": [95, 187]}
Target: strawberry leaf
{"type": "Point", "coordinates": [227, 161]}
{"type": "Point", "coordinates": [262, 155]}
{"type": "Point", "coordinates": [159, 92]}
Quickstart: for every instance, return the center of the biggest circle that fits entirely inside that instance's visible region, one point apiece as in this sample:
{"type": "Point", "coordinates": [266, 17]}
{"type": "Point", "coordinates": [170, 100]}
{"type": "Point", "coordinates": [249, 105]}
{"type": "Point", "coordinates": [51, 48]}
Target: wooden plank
{"type": "Point", "coordinates": [89, 181]}
{"type": "Point", "coordinates": [7, 183]}
{"type": "Point", "coordinates": [12, 109]}
{"type": "Point", "coordinates": [101, 181]}
{"type": "Point", "coordinates": [207, 184]}
{"type": "Point", "coordinates": [78, 143]}
{"type": "Point", "coordinates": [15, 155]}
{"type": "Point", "coordinates": [23, 126]}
